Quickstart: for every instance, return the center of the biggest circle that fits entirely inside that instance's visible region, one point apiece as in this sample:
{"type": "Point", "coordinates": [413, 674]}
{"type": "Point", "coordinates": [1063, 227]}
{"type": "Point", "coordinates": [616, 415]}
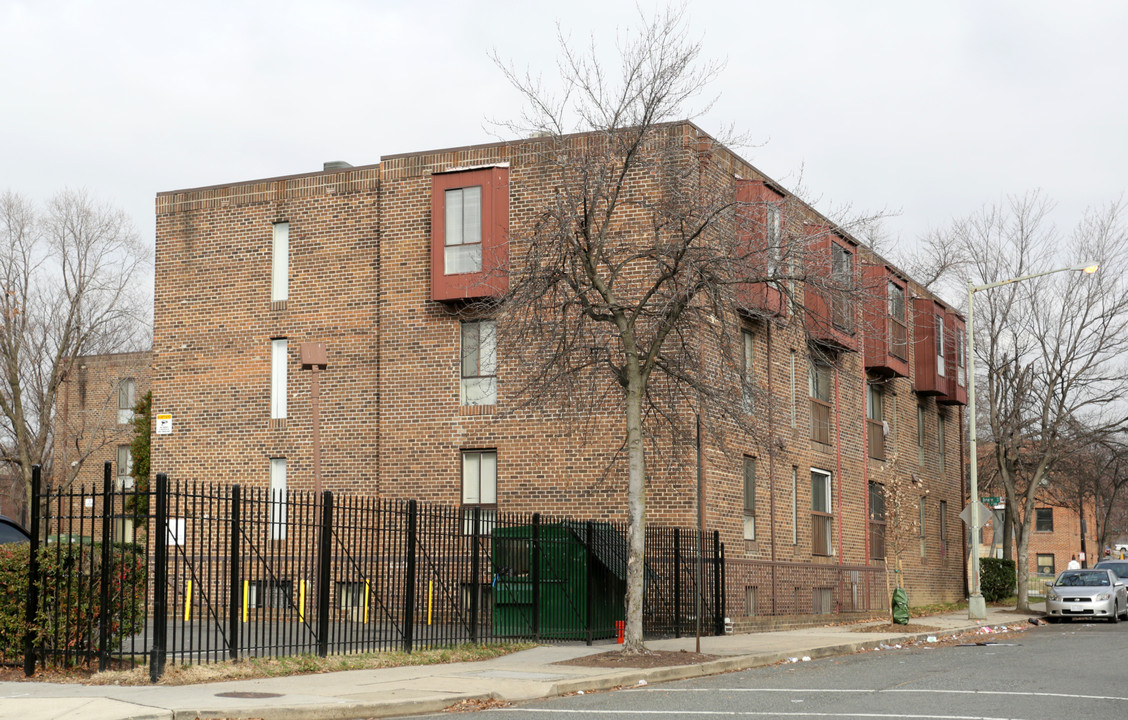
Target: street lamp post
{"type": "Point", "coordinates": [976, 606]}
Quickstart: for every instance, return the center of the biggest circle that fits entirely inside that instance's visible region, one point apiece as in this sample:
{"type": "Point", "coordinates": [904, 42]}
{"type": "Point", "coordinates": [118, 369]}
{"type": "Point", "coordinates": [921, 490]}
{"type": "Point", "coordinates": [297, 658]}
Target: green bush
{"type": "Point", "coordinates": [997, 578]}
{"type": "Point", "coordinates": [70, 597]}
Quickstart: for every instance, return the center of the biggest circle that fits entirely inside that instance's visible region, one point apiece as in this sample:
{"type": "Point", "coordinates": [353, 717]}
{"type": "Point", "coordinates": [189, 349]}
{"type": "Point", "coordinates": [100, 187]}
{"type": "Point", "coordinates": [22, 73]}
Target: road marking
{"type": "Point", "coordinates": [1074, 696]}
{"type": "Point", "coordinates": [756, 713]}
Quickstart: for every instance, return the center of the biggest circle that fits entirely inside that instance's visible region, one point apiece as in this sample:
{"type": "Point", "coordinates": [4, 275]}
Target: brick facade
{"type": "Point", "coordinates": [392, 421]}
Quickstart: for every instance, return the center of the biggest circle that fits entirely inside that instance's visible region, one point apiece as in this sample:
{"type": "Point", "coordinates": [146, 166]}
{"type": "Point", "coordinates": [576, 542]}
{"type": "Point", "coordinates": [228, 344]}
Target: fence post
{"type": "Point", "coordinates": [475, 570]}
{"type": "Point", "coordinates": [235, 579]}
{"type": "Point", "coordinates": [32, 607]}
{"type": "Point", "coordinates": [590, 577]}
{"type": "Point", "coordinates": [409, 580]}
{"type": "Point", "coordinates": [718, 606]}
{"type": "Point", "coordinates": [677, 582]}
{"type": "Point", "coordinates": [104, 570]}
{"type": "Point", "coordinates": [324, 572]}
{"type": "Point", "coordinates": [160, 581]}
{"type": "Point", "coordinates": [535, 576]}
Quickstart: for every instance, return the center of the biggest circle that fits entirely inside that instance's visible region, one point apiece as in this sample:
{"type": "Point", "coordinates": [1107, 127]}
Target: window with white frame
{"type": "Point", "coordinates": [774, 233]}
{"type": "Point", "coordinates": [920, 434]}
{"type": "Point", "coordinates": [479, 489]}
{"type": "Point", "coordinates": [278, 373]}
{"type": "Point", "coordinates": [940, 441]}
{"type": "Point", "coordinates": [127, 398]}
{"type": "Point", "coordinates": [749, 498]}
{"type": "Point", "coordinates": [794, 504]}
{"type": "Point", "coordinates": [278, 498]}
{"type": "Point", "coordinates": [280, 270]}
{"type": "Point", "coordinates": [463, 240]}
{"type": "Point", "coordinates": [479, 363]}
{"type": "Point", "coordinates": [819, 385]}
{"type": "Point", "coordinates": [940, 369]}
{"type": "Point", "coordinates": [124, 468]}
{"type": "Point", "coordinates": [746, 371]}
{"type": "Point", "coordinates": [822, 520]}
{"type": "Point", "coordinates": [961, 358]}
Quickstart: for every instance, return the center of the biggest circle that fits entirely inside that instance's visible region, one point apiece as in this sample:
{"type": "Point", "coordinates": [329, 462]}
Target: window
{"type": "Point", "coordinates": [1046, 564]}
{"type": "Point", "coordinates": [275, 594]}
{"type": "Point", "coordinates": [921, 524]}
{"type": "Point", "coordinates": [794, 505]}
{"type": "Point", "coordinates": [479, 363]}
{"type": "Point", "coordinates": [278, 498]}
{"type": "Point", "coordinates": [842, 275]}
{"type": "Point", "coordinates": [749, 498]}
{"type": "Point", "coordinates": [875, 421]}
{"type": "Point", "coordinates": [479, 489]}
{"type": "Point", "coordinates": [961, 359]}
{"type": "Point", "coordinates": [877, 520]}
{"type": "Point", "coordinates": [127, 391]}
{"type": "Point", "coordinates": [124, 468]}
{"type": "Point", "coordinates": [746, 371]}
{"type": "Point", "coordinates": [1043, 519]}
{"type": "Point", "coordinates": [820, 402]}
{"type": "Point", "coordinates": [750, 600]}
{"type": "Point", "coordinates": [463, 237]}
{"type": "Point", "coordinates": [822, 521]}
{"type": "Point", "coordinates": [920, 434]}
{"type": "Point", "coordinates": [278, 349]}
{"type": "Point", "coordinates": [794, 392]}
{"type": "Point", "coordinates": [940, 435]}
{"type": "Point", "coordinates": [898, 330]}
{"type": "Point", "coordinates": [774, 233]}
{"type": "Point", "coordinates": [280, 270]}
{"type": "Point", "coordinates": [940, 369]}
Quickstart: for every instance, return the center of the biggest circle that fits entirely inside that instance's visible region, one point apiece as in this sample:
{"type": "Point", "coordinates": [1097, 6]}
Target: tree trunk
{"type": "Point", "coordinates": [1022, 589]}
{"type": "Point", "coordinates": [636, 515]}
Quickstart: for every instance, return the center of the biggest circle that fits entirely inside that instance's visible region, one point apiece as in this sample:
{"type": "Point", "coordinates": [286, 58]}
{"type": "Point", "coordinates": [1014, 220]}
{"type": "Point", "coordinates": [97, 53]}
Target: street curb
{"type": "Point", "coordinates": [622, 679]}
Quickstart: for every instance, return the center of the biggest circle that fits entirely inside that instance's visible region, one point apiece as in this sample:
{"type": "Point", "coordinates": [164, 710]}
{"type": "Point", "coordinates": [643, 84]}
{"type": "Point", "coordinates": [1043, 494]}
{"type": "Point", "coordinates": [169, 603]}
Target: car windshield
{"type": "Point", "coordinates": [1091, 578]}
{"type": "Point", "coordinates": [1120, 568]}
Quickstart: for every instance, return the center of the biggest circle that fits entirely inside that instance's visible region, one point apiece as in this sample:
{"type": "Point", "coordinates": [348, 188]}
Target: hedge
{"type": "Point", "coordinates": [997, 578]}
{"type": "Point", "coordinates": [70, 597]}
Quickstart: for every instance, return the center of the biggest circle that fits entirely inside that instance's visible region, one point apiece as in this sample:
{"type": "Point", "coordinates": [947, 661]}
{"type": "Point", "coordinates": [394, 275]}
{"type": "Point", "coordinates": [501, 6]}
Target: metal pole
{"type": "Point", "coordinates": [324, 574]}
{"type": "Point", "coordinates": [700, 533]}
{"type": "Point", "coordinates": [104, 569]}
{"type": "Point", "coordinates": [976, 605]}
{"type": "Point", "coordinates": [32, 607]}
{"type": "Point", "coordinates": [235, 579]}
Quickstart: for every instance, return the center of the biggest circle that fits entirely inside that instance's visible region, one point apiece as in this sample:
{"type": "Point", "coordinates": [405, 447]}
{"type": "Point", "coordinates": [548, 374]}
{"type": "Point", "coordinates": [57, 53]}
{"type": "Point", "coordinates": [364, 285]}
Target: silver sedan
{"type": "Point", "coordinates": [1093, 593]}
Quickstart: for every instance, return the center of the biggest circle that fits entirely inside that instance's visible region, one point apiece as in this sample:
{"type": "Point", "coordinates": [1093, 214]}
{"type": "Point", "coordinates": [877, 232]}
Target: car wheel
{"type": "Point", "coordinates": [1115, 617]}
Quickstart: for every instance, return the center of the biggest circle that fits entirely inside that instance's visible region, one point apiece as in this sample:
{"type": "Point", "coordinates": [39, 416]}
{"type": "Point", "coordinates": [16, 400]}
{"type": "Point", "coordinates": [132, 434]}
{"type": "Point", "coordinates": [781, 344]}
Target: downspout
{"type": "Point", "coordinates": [838, 472]}
{"type": "Point", "coordinates": [771, 461]}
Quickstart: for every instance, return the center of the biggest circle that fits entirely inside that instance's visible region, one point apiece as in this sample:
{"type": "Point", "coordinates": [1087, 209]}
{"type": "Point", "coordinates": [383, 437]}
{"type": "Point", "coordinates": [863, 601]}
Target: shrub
{"type": "Point", "coordinates": [70, 597]}
{"type": "Point", "coordinates": [997, 578]}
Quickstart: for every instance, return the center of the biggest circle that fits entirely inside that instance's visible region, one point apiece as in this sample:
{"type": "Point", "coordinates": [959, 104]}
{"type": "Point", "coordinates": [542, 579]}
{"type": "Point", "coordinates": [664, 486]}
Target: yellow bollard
{"type": "Point", "coordinates": [430, 595]}
{"type": "Point", "coordinates": [246, 597]}
{"type": "Point", "coordinates": [188, 601]}
{"type": "Point", "coordinates": [301, 601]}
{"type": "Point", "coordinates": [365, 602]}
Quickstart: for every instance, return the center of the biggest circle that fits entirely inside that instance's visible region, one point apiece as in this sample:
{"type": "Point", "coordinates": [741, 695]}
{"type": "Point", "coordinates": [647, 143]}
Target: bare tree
{"type": "Point", "coordinates": [68, 276]}
{"type": "Point", "coordinates": [1050, 350]}
{"type": "Point", "coordinates": [902, 496]}
{"type": "Point", "coordinates": [630, 286]}
{"type": "Point", "coordinates": [1093, 478]}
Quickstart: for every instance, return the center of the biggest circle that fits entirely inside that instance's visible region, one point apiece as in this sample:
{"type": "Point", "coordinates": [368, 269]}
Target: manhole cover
{"type": "Point", "coordinates": [248, 695]}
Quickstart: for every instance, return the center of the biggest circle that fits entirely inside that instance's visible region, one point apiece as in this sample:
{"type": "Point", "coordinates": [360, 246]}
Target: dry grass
{"type": "Point", "coordinates": [250, 668]}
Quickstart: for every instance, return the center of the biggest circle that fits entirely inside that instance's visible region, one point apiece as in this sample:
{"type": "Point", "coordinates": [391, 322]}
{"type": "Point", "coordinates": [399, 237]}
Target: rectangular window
{"type": "Point", "coordinates": [875, 421]}
{"type": "Point", "coordinates": [940, 369]}
{"type": "Point", "coordinates": [961, 359]}
{"type": "Point", "coordinates": [774, 233]}
{"type": "Point", "coordinates": [1043, 519]}
{"type": "Point", "coordinates": [921, 525]}
{"type": "Point", "coordinates": [479, 489]}
{"type": "Point", "coordinates": [898, 330]}
{"type": "Point", "coordinates": [479, 363]}
{"type": "Point", "coordinates": [842, 275]}
{"type": "Point", "coordinates": [127, 392]}
{"type": "Point", "coordinates": [1046, 564]}
{"type": "Point", "coordinates": [463, 240]}
{"type": "Point", "coordinates": [794, 393]}
{"type": "Point", "coordinates": [820, 402]}
{"type": "Point", "coordinates": [750, 600]}
{"type": "Point", "coordinates": [920, 434]}
{"type": "Point", "coordinates": [278, 498]}
{"type": "Point", "coordinates": [877, 520]}
{"type": "Point", "coordinates": [794, 505]}
{"type": "Point", "coordinates": [749, 498]}
{"type": "Point", "coordinates": [747, 370]}
{"type": "Point", "coordinates": [278, 363]}
{"type": "Point", "coordinates": [280, 271]}
{"type": "Point", "coordinates": [943, 523]}
{"type": "Point", "coordinates": [940, 441]}
{"type": "Point", "coordinates": [822, 521]}
{"type": "Point", "coordinates": [124, 468]}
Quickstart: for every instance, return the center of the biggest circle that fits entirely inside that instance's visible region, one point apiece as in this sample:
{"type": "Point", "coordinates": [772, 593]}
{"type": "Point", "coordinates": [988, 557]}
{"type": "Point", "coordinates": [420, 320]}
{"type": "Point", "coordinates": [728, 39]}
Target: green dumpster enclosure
{"type": "Point", "coordinates": [558, 562]}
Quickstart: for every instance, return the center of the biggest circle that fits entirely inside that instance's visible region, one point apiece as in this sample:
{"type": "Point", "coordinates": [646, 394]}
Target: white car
{"type": "Point", "coordinates": [1092, 593]}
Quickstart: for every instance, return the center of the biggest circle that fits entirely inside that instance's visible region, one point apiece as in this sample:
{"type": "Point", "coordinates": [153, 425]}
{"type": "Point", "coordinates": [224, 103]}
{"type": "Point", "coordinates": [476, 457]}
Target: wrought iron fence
{"type": "Point", "coordinates": [197, 573]}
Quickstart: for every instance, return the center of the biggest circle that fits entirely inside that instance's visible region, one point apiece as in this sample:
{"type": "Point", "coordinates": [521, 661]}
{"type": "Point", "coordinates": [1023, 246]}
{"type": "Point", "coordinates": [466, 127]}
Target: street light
{"type": "Point", "coordinates": [976, 606]}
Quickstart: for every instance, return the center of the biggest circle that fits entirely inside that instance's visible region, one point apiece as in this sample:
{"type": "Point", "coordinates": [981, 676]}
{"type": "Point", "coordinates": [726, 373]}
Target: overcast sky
{"type": "Point", "coordinates": [929, 109]}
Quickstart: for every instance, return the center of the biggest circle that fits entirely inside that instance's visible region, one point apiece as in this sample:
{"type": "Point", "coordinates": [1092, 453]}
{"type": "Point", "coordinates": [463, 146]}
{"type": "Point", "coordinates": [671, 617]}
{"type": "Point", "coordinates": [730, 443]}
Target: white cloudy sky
{"type": "Point", "coordinates": [932, 109]}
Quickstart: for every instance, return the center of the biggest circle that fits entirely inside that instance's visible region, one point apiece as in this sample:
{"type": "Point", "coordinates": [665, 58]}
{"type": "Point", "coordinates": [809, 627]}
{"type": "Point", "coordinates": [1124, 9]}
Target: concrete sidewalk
{"type": "Point", "coordinates": [421, 689]}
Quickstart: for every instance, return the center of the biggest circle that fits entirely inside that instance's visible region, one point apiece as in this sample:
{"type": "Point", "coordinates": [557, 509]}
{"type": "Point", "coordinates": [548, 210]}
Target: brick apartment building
{"type": "Point", "coordinates": [1056, 538]}
{"type": "Point", "coordinates": [347, 278]}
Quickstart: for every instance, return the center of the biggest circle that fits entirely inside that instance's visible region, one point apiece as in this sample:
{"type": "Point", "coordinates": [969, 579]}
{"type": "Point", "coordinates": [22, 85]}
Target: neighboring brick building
{"type": "Point", "coordinates": [351, 272]}
{"type": "Point", "coordinates": [1055, 540]}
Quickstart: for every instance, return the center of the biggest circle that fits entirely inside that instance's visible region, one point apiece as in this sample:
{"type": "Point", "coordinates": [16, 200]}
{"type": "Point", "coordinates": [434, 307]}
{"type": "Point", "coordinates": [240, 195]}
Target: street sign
{"type": "Point", "coordinates": [984, 516]}
{"type": "Point", "coordinates": [990, 501]}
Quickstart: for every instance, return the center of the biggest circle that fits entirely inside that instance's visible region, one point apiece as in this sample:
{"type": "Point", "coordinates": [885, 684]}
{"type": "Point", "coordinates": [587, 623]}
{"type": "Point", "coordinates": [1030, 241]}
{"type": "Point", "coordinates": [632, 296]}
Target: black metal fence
{"type": "Point", "coordinates": [242, 572]}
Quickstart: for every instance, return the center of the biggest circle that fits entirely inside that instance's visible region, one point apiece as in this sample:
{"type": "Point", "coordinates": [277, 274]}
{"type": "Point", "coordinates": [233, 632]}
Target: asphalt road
{"type": "Point", "coordinates": [1073, 671]}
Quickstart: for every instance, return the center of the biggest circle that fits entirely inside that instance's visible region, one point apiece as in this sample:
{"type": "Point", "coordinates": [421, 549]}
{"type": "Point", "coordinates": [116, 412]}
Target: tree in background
{"type": "Point", "coordinates": [68, 287]}
{"type": "Point", "coordinates": [142, 422]}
